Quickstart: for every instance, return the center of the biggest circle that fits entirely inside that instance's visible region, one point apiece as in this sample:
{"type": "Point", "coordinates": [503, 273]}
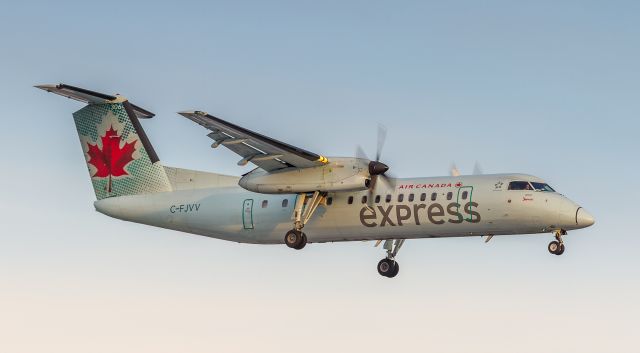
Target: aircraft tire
{"type": "Point", "coordinates": [303, 243]}
{"type": "Point", "coordinates": [387, 268]}
{"type": "Point", "coordinates": [294, 239]}
{"type": "Point", "coordinates": [396, 269]}
{"type": "Point", "coordinates": [560, 249]}
{"type": "Point", "coordinates": [554, 247]}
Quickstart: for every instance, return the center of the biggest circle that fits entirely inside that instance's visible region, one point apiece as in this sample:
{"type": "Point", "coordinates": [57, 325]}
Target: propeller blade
{"type": "Point", "coordinates": [477, 169]}
{"type": "Point", "coordinates": [453, 170]}
{"type": "Point", "coordinates": [362, 157]}
{"type": "Point", "coordinates": [360, 153]}
{"type": "Point", "coordinates": [376, 168]}
{"type": "Point", "coordinates": [390, 180]}
{"type": "Point", "coordinates": [385, 179]}
{"type": "Point", "coordinates": [372, 187]}
{"type": "Point", "coordinates": [382, 136]}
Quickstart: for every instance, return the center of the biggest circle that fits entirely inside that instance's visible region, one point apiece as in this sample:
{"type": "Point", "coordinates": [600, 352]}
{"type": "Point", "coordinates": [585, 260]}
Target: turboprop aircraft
{"type": "Point", "coordinates": [291, 189]}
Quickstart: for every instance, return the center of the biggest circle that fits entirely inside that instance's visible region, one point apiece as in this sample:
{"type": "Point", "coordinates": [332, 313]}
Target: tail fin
{"type": "Point", "coordinates": [120, 158]}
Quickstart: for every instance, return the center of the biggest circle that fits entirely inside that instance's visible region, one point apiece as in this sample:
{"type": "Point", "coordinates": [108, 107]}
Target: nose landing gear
{"type": "Point", "coordinates": [388, 266]}
{"type": "Point", "coordinates": [556, 247]}
{"type": "Point", "coordinates": [295, 239]}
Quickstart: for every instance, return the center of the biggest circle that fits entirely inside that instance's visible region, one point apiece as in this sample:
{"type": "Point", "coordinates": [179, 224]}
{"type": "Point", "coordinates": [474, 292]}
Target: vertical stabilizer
{"type": "Point", "coordinates": [119, 156]}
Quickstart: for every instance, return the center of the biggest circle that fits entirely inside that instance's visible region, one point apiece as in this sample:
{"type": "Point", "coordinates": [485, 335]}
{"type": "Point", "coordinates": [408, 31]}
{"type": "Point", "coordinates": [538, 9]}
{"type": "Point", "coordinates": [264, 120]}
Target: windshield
{"type": "Point", "coordinates": [520, 185]}
{"type": "Point", "coordinates": [542, 187]}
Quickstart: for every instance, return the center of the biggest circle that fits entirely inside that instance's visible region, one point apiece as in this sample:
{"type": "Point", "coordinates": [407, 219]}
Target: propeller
{"type": "Point", "coordinates": [454, 171]}
{"type": "Point", "coordinates": [477, 169]}
{"type": "Point", "coordinates": [376, 168]}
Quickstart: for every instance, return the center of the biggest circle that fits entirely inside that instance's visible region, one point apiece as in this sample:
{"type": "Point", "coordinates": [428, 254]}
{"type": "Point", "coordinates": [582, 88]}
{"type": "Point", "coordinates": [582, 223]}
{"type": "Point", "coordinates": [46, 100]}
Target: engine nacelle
{"type": "Point", "coordinates": [340, 174]}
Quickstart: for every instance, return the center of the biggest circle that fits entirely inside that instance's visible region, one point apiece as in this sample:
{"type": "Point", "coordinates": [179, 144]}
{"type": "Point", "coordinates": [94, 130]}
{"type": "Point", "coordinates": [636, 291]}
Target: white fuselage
{"type": "Point", "coordinates": [440, 207]}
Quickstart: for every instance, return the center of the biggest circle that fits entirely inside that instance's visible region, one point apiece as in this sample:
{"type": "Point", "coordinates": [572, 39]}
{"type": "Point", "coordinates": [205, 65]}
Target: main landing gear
{"type": "Point", "coordinates": [556, 247]}
{"type": "Point", "coordinates": [302, 213]}
{"type": "Point", "coordinates": [388, 266]}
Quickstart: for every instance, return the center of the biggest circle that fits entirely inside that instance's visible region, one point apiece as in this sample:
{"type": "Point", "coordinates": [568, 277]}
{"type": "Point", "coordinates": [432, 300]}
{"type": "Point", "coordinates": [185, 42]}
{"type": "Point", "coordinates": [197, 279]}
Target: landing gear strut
{"type": "Point", "coordinates": [556, 247]}
{"type": "Point", "coordinates": [388, 266]}
{"type": "Point", "coordinates": [302, 213]}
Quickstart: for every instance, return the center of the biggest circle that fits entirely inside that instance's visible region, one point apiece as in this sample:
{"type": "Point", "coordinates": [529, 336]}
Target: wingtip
{"type": "Point", "coordinates": [46, 87]}
{"type": "Point", "coordinates": [187, 113]}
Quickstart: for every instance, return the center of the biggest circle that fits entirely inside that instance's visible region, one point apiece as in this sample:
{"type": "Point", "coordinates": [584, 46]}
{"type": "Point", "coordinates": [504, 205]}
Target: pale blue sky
{"type": "Point", "coordinates": [549, 88]}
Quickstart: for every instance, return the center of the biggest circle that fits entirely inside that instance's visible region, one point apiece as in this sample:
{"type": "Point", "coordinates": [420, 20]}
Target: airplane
{"type": "Point", "coordinates": [296, 197]}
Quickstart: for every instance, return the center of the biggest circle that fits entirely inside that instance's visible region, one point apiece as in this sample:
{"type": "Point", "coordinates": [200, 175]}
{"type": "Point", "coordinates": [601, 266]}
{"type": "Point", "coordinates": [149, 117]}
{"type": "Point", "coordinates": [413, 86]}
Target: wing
{"type": "Point", "coordinates": [265, 152]}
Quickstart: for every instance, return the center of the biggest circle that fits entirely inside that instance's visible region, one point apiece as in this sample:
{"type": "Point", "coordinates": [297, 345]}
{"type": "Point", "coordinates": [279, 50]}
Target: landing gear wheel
{"type": "Point", "coordinates": [388, 268]}
{"type": "Point", "coordinates": [396, 269]}
{"type": "Point", "coordinates": [556, 248]}
{"type": "Point", "coordinates": [385, 267]}
{"type": "Point", "coordinates": [303, 243]}
{"type": "Point", "coordinates": [295, 239]}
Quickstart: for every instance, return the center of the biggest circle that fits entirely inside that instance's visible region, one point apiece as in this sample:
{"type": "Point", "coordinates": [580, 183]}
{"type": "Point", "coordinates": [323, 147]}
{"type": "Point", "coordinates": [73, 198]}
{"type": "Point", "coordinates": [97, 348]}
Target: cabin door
{"type": "Point", "coordinates": [465, 195]}
{"type": "Point", "coordinates": [247, 214]}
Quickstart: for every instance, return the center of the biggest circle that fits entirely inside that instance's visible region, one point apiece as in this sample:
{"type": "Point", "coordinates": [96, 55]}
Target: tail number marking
{"type": "Point", "coordinates": [185, 208]}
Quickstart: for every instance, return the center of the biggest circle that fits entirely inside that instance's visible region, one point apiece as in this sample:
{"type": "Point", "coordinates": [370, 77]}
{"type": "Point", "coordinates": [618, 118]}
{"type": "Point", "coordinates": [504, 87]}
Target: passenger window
{"type": "Point", "coordinates": [285, 202]}
{"type": "Point", "coordinates": [350, 200]}
{"type": "Point", "coordinates": [423, 197]}
{"type": "Point", "coordinates": [377, 198]}
{"type": "Point", "coordinates": [520, 185]}
{"type": "Point", "coordinates": [265, 203]}
{"type": "Point", "coordinates": [364, 199]}
{"type": "Point", "coordinates": [410, 197]}
{"type": "Point", "coordinates": [449, 195]}
{"type": "Point", "coordinates": [465, 194]}
{"type": "Point", "coordinates": [329, 201]}
{"type": "Point", "coordinates": [388, 198]}
{"type": "Point", "coordinates": [400, 197]}
{"type": "Point", "coordinates": [434, 196]}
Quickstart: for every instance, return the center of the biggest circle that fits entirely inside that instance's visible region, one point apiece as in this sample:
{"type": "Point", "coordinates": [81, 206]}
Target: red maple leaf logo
{"type": "Point", "coordinates": [111, 160]}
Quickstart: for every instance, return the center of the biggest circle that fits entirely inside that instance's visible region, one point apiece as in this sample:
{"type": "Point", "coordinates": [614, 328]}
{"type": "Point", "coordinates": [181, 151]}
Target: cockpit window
{"type": "Point", "coordinates": [542, 187]}
{"type": "Point", "coordinates": [520, 185]}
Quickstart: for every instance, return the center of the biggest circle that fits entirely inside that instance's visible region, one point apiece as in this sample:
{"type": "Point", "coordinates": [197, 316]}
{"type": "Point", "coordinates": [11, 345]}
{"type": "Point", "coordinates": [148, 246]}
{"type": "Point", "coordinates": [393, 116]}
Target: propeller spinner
{"type": "Point", "coordinates": [377, 168]}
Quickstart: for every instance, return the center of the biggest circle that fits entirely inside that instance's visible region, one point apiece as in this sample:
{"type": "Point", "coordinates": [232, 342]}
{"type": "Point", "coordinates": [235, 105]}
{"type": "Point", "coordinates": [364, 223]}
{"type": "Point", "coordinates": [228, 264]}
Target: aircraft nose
{"type": "Point", "coordinates": [583, 218]}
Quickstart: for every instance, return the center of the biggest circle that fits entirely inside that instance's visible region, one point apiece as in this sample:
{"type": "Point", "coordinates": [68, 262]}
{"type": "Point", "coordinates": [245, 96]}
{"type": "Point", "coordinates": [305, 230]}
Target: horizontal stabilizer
{"type": "Point", "coordinates": [91, 97]}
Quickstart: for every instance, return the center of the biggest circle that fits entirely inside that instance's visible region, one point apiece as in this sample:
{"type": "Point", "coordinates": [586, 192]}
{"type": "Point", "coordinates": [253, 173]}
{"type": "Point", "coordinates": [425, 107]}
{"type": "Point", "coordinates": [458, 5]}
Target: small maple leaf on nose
{"type": "Point", "coordinates": [111, 160]}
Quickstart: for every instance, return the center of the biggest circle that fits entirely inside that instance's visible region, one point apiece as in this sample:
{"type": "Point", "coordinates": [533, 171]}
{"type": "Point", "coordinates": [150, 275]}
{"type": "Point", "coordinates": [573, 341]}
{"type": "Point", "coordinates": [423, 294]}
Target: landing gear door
{"type": "Point", "coordinates": [247, 214]}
